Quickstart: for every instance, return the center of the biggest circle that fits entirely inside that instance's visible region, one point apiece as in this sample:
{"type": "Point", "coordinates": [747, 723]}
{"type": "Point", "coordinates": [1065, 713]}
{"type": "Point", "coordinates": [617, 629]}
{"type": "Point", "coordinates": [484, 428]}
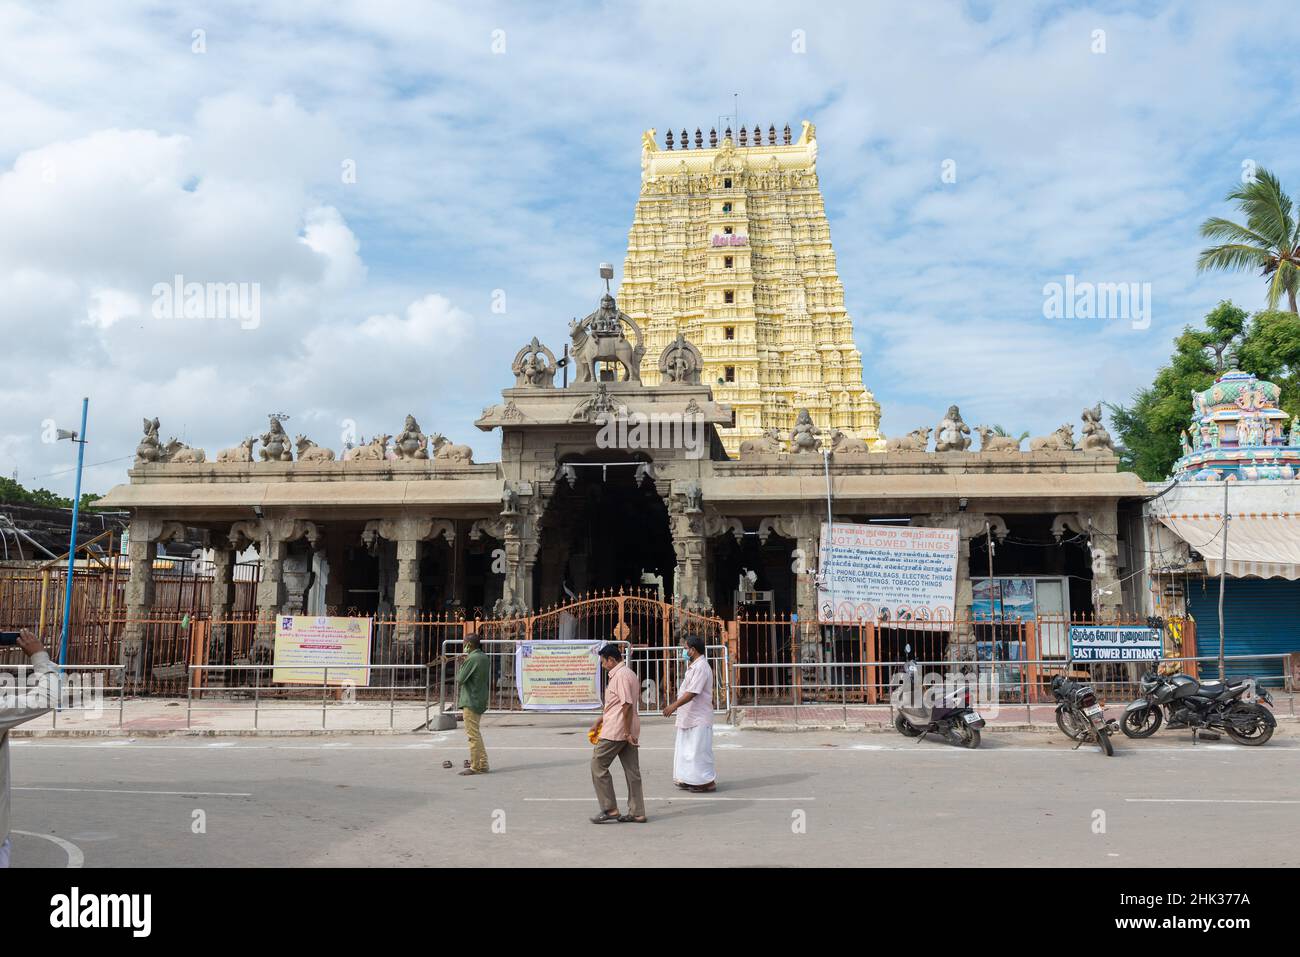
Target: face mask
{"type": "Point", "coordinates": [686, 655]}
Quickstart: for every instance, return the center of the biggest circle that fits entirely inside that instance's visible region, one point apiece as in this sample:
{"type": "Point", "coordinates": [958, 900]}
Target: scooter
{"type": "Point", "coordinates": [920, 711]}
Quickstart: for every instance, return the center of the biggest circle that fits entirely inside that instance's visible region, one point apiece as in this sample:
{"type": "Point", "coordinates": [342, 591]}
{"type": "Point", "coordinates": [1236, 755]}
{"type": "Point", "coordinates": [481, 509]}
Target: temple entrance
{"type": "Point", "coordinates": [607, 531]}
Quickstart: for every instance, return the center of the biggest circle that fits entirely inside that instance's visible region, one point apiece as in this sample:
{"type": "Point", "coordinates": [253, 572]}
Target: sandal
{"type": "Point", "coordinates": [605, 817]}
{"type": "Point", "coordinates": [703, 788]}
{"type": "Point", "coordinates": [629, 819]}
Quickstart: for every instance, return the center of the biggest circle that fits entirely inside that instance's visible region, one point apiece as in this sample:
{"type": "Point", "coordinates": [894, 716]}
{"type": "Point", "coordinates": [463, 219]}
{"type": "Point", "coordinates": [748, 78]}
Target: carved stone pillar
{"type": "Point", "coordinates": [1103, 536]}
{"type": "Point", "coordinates": [690, 547]}
{"type": "Point", "coordinates": [518, 528]}
{"type": "Point", "coordinates": [336, 583]}
{"type": "Point", "coordinates": [272, 537]}
{"type": "Point", "coordinates": [409, 532]}
{"type": "Point", "coordinates": [145, 535]}
{"type": "Point", "coordinates": [223, 598]}
{"type": "Point", "coordinates": [1101, 526]}
{"type": "Point", "coordinates": [969, 525]}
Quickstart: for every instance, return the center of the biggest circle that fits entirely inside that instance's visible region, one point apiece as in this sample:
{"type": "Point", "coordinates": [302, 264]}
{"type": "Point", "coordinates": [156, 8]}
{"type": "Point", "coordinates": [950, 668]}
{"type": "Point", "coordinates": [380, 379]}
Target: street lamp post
{"type": "Point", "coordinates": [80, 439]}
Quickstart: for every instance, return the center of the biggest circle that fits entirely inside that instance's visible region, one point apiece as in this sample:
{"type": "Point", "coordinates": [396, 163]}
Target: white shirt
{"type": "Point", "coordinates": [699, 710]}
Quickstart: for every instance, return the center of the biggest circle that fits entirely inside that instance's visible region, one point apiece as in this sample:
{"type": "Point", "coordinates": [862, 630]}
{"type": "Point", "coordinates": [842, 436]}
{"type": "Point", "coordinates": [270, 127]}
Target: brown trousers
{"type": "Point", "coordinates": [601, 759]}
{"type": "Point", "coordinates": [478, 760]}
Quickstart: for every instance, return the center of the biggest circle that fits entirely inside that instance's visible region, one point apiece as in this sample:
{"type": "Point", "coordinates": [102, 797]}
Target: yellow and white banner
{"type": "Point", "coordinates": [558, 675]}
{"type": "Point", "coordinates": [340, 644]}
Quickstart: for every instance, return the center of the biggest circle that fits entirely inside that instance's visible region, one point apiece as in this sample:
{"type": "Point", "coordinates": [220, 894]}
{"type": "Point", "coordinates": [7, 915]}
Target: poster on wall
{"type": "Point", "coordinates": [887, 573]}
{"type": "Point", "coordinates": [305, 645]}
{"type": "Point", "coordinates": [1009, 599]}
{"type": "Point", "coordinates": [1114, 643]}
{"type": "Point", "coordinates": [558, 675]}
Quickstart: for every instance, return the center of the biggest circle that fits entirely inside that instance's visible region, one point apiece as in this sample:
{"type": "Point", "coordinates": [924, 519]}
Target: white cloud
{"type": "Point", "coordinates": [127, 159]}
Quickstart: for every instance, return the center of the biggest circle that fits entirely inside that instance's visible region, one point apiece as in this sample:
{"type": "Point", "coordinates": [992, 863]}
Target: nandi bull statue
{"type": "Point", "coordinates": [445, 451]}
{"type": "Point", "coordinates": [990, 441]}
{"type": "Point", "coordinates": [1062, 440]}
{"type": "Point", "coordinates": [178, 453]}
{"type": "Point", "coordinates": [309, 451]}
{"type": "Point", "coordinates": [844, 444]}
{"type": "Point", "coordinates": [769, 443]}
{"type": "Point", "coordinates": [376, 450]}
{"type": "Point", "coordinates": [914, 441]}
{"type": "Point", "coordinates": [243, 452]}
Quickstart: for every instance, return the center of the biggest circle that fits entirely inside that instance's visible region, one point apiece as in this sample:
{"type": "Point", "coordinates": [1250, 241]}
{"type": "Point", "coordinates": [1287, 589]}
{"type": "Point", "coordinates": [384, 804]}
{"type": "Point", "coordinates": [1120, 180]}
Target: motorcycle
{"type": "Point", "coordinates": [920, 711]}
{"type": "Point", "coordinates": [1079, 714]}
{"type": "Point", "coordinates": [1203, 706]}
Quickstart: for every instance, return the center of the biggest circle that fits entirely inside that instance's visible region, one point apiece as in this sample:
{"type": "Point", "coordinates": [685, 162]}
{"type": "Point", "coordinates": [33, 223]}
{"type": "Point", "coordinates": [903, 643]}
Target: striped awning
{"type": "Point", "coordinates": [1260, 544]}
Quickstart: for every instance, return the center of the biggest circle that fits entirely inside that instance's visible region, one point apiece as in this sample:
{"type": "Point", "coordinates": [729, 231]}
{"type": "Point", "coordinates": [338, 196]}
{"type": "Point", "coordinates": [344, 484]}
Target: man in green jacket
{"type": "Point", "coordinates": [472, 680]}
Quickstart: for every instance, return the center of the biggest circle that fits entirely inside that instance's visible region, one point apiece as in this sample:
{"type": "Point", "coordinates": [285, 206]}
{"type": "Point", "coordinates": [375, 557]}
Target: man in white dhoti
{"type": "Point", "coordinates": [693, 755]}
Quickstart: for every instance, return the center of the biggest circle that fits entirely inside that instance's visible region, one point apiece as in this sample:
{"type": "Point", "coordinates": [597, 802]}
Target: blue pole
{"type": "Point", "coordinates": [80, 439]}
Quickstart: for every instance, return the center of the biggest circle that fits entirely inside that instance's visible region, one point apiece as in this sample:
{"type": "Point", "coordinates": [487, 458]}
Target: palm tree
{"type": "Point", "coordinates": [998, 430]}
{"type": "Point", "coordinates": [1269, 240]}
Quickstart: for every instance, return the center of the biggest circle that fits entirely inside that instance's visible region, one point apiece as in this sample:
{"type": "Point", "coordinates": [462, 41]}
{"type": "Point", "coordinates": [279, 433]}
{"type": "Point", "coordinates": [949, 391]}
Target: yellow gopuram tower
{"type": "Point", "coordinates": [730, 246]}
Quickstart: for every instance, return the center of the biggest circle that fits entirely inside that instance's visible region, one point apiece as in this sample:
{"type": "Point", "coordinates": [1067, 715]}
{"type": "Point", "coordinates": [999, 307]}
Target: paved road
{"type": "Point", "coordinates": [870, 798]}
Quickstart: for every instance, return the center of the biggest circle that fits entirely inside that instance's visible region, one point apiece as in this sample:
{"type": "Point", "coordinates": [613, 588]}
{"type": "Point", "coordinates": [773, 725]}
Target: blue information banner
{"type": "Point", "coordinates": [1114, 642]}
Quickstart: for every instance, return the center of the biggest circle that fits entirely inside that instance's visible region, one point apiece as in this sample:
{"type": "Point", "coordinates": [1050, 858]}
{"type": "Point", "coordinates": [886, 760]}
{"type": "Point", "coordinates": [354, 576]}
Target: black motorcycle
{"type": "Point", "coordinates": [1203, 706]}
{"type": "Point", "coordinates": [1079, 714]}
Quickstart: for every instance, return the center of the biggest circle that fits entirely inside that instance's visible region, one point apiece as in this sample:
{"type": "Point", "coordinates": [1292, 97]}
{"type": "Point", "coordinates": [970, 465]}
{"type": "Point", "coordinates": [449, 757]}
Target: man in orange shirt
{"type": "Point", "coordinates": [620, 733]}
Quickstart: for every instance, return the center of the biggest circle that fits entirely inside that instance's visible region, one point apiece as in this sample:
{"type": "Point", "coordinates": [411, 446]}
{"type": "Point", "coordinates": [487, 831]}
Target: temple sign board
{"type": "Point", "coordinates": [318, 650]}
{"type": "Point", "coordinates": [887, 573]}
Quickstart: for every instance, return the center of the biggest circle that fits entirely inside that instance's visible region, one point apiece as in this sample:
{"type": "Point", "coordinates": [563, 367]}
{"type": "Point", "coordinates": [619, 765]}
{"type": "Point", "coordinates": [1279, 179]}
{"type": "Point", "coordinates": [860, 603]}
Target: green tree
{"type": "Point", "coordinates": [13, 492]}
{"type": "Point", "coordinates": [1270, 240]}
{"type": "Point", "coordinates": [1149, 428]}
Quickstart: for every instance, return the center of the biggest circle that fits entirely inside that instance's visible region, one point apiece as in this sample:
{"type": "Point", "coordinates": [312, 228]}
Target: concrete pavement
{"type": "Point", "coordinates": [784, 799]}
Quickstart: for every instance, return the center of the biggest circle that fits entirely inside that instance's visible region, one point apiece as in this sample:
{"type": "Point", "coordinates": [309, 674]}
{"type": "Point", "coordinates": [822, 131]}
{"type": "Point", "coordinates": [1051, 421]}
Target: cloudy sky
{"type": "Point", "coordinates": [385, 172]}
